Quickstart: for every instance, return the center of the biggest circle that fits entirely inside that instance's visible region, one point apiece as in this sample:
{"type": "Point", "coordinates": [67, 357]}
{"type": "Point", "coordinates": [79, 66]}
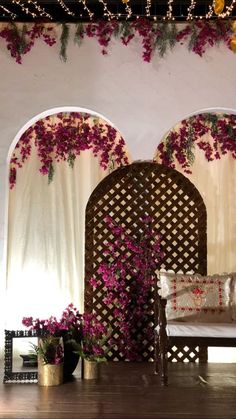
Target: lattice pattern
{"type": "Point", "coordinates": [185, 353]}
{"type": "Point", "coordinates": [144, 188]}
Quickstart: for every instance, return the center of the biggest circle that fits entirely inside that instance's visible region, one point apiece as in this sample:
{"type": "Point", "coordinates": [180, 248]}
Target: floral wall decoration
{"type": "Point", "coordinates": [156, 37]}
{"type": "Point", "coordinates": [179, 144]}
{"type": "Point", "coordinates": [127, 278]}
{"type": "Point", "coordinates": [63, 137]}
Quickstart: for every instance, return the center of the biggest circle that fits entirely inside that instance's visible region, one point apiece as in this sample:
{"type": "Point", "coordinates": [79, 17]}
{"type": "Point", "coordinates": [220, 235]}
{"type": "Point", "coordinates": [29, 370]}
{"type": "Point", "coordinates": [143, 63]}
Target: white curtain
{"type": "Point", "coordinates": [45, 256]}
{"type": "Point", "coordinates": [216, 182]}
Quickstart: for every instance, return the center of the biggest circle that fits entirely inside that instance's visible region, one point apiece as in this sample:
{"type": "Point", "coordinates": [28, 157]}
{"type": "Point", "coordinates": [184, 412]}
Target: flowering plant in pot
{"type": "Point", "coordinates": [50, 350]}
{"type": "Point", "coordinates": [94, 335]}
{"type": "Point", "coordinates": [68, 327]}
{"type": "Point", "coordinates": [91, 348]}
{"type": "Point", "coordinates": [50, 355]}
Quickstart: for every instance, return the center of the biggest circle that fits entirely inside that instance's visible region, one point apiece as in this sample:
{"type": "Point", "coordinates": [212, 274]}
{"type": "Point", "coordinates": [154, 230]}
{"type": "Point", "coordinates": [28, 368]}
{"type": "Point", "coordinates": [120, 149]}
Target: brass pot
{"type": "Point", "coordinates": [90, 370]}
{"type": "Point", "coordinates": [49, 374]}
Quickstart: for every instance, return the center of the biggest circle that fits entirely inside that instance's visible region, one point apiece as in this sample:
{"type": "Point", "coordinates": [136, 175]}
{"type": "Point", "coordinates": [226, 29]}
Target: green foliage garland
{"type": "Point", "coordinates": [156, 37]}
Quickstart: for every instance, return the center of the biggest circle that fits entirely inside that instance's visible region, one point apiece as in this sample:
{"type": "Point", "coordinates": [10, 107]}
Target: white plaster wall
{"type": "Point", "coordinates": [143, 100]}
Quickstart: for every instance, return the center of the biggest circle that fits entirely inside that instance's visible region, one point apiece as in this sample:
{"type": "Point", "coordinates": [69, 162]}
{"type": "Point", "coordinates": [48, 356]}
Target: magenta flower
{"type": "Point", "coordinates": [179, 145]}
{"type": "Point", "coordinates": [64, 140]}
{"type": "Point", "coordinates": [128, 279]}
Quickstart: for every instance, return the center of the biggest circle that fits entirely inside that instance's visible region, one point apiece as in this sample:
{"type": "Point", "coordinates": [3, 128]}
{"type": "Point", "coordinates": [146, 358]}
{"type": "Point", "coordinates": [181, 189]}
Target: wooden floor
{"type": "Point", "coordinates": [129, 390]}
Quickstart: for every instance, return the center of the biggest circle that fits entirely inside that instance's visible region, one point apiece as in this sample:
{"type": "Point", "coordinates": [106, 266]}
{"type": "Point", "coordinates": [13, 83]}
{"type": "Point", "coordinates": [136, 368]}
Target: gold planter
{"type": "Point", "coordinates": [49, 374]}
{"type": "Point", "coordinates": [90, 370]}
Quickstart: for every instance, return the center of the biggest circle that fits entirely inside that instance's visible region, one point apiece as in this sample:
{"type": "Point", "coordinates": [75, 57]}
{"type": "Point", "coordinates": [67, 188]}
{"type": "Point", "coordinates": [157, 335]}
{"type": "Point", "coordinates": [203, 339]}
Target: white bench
{"type": "Point", "coordinates": [193, 311]}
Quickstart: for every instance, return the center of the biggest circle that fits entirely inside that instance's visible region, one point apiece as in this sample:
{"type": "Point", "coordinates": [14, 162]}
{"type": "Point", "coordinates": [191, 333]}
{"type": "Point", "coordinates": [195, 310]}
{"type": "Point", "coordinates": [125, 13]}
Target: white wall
{"type": "Point", "coordinates": [142, 100]}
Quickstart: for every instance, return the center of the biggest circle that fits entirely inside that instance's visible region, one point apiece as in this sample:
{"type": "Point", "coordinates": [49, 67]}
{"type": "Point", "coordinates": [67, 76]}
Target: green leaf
{"type": "Point", "coordinates": [64, 41]}
{"type": "Point", "coordinates": [71, 159]}
{"type": "Point", "coordinates": [79, 34]}
{"type": "Point", "coordinates": [193, 37]}
{"type": "Point", "coordinates": [51, 173]}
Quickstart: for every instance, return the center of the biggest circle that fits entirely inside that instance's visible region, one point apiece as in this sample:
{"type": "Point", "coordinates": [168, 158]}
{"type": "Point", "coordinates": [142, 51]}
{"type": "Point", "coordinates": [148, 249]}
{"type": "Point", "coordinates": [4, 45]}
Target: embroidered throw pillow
{"type": "Point", "coordinates": [233, 292]}
{"type": "Point", "coordinates": [197, 298]}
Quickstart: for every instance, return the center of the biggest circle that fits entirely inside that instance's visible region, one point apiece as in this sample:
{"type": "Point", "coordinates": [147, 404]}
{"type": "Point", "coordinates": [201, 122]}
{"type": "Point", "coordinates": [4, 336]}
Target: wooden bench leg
{"type": "Point", "coordinates": [163, 360]}
{"type": "Point", "coordinates": [156, 354]}
{"type": "Point", "coordinates": [203, 354]}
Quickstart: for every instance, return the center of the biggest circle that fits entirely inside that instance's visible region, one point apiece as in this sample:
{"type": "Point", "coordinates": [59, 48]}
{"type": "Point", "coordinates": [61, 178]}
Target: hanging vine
{"type": "Point", "coordinates": [179, 144]}
{"type": "Point", "coordinates": [64, 140]}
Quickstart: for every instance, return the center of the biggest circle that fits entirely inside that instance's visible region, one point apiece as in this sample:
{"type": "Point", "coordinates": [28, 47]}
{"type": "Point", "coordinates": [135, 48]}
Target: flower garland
{"type": "Point", "coordinates": [127, 276]}
{"type": "Point", "coordinates": [64, 140]}
{"type": "Point", "coordinates": [180, 142]}
{"type": "Point", "coordinates": [21, 39]}
{"type": "Point", "coordinates": [156, 37]}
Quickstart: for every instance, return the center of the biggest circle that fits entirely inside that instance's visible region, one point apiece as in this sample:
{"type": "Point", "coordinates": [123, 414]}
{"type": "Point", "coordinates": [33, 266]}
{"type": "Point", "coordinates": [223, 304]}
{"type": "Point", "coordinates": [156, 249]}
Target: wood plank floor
{"type": "Point", "coordinates": [129, 391]}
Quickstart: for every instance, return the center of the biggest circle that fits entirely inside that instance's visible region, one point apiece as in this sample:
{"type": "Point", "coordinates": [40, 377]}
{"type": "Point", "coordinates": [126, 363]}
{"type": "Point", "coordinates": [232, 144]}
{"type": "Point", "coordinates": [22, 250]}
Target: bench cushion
{"type": "Point", "coordinates": [209, 330]}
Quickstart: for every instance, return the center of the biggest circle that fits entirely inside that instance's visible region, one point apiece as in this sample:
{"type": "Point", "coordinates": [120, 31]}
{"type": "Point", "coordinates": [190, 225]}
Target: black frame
{"type": "Point", "coordinates": [9, 375]}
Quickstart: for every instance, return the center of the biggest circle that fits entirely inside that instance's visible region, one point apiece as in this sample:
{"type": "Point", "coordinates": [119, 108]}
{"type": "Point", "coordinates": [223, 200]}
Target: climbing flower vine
{"type": "Point", "coordinates": [126, 275]}
{"type": "Point", "coordinates": [156, 37]}
{"type": "Point", "coordinates": [64, 138]}
{"type": "Point", "coordinates": [179, 144]}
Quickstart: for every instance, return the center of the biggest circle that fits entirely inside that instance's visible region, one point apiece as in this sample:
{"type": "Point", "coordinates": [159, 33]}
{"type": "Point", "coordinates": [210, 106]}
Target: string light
{"type": "Point", "coordinates": [169, 15]}
{"type": "Point", "coordinates": [40, 9]}
{"type": "Point", "coordinates": [222, 15]}
{"type": "Point", "coordinates": [209, 14]}
{"type": "Point", "coordinates": [228, 11]}
{"type": "Point", "coordinates": [65, 8]}
{"type": "Point", "coordinates": [24, 9]}
{"type": "Point", "coordinates": [127, 8]}
{"type": "Point", "coordinates": [11, 14]}
{"type": "Point", "coordinates": [148, 7]}
{"type": "Point", "coordinates": [86, 8]}
{"type": "Point", "coordinates": [107, 12]}
{"type": "Point", "coordinates": [191, 9]}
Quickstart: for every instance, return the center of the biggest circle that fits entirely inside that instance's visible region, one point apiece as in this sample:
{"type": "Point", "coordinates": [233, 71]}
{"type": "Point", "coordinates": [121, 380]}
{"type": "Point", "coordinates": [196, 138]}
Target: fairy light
{"type": "Point", "coordinates": [228, 10]}
{"type": "Point", "coordinates": [191, 9]}
{"type": "Point", "coordinates": [127, 8]}
{"type": "Point", "coordinates": [210, 12]}
{"type": "Point", "coordinates": [40, 9]}
{"type": "Point", "coordinates": [106, 11]}
{"type": "Point", "coordinates": [148, 7]}
{"type": "Point", "coordinates": [24, 9]}
{"type": "Point", "coordinates": [65, 8]}
{"type": "Point", "coordinates": [169, 15]}
{"type": "Point", "coordinates": [11, 14]}
{"type": "Point", "coordinates": [86, 8]}
{"type": "Point", "coordinates": [222, 15]}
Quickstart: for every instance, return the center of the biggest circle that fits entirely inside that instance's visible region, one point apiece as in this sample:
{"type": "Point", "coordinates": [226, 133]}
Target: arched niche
{"type": "Point", "coordinates": [212, 169]}
{"type": "Point", "coordinates": [45, 240]}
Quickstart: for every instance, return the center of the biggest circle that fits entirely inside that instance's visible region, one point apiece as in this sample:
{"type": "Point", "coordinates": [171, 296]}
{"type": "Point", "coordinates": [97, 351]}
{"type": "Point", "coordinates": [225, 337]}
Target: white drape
{"type": "Point", "coordinates": [216, 182]}
{"type": "Point", "coordinates": [45, 256]}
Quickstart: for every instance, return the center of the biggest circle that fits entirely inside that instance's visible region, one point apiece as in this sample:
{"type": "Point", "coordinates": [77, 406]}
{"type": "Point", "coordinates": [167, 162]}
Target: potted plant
{"type": "Point", "coordinates": [50, 354]}
{"type": "Point", "coordinates": [91, 348]}
{"type": "Point", "coordinates": [68, 327]}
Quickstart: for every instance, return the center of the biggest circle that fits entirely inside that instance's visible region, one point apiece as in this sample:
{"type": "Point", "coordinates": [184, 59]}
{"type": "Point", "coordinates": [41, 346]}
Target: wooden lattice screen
{"type": "Point", "coordinates": [129, 193]}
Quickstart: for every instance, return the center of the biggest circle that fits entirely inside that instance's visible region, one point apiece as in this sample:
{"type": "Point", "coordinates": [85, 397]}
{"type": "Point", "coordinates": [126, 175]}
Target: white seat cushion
{"type": "Point", "coordinates": [211, 330]}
